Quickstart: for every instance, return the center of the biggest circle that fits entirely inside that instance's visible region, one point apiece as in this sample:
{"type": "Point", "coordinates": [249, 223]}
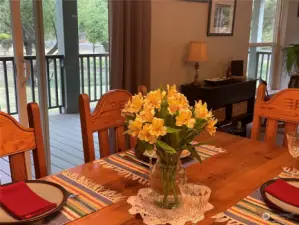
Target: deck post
{"type": "Point", "coordinates": [68, 45]}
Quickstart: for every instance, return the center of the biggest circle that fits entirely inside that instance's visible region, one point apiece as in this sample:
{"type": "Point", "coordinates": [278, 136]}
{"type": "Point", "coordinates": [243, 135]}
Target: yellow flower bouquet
{"type": "Point", "coordinates": [164, 121]}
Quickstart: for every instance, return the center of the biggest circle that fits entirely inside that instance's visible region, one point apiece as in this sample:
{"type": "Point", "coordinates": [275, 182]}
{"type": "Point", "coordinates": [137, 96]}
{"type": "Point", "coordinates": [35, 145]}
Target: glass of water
{"type": "Point", "coordinates": [195, 200]}
{"type": "Point", "coordinates": [293, 146]}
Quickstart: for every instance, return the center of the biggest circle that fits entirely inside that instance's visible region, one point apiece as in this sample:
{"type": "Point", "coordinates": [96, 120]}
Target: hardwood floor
{"type": "Point", "coordinates": [65, 145]}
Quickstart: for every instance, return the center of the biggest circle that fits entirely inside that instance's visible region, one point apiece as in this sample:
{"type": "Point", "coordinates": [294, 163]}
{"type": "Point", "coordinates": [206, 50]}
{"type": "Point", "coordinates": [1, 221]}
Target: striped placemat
{"type": "Point", "coordinates": [88, 197]}
{"type": "Point", "coordinates": [129, 166]}
{"type": "Point", "coordinates": [253, 210]}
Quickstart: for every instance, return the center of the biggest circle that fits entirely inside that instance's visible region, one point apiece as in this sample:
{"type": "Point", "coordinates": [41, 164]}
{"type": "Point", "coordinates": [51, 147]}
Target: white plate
{"type": "Point", "coordinates": [276, 203]}
{"type": "Point", "coordinates": [48, 190]}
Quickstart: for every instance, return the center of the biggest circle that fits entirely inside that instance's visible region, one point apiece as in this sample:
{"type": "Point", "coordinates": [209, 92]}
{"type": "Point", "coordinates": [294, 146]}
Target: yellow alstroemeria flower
{"type": "Point", "coordinates": [134, 105]}
{"type": "Point", "coordinates": [211, 126]}
{"type": "Point", "coordinates": [145, 135]}
{"type": "Point", "coordinates": [147, 114]}
{"type": "Point", "coordinates": [185, 118]}
{"type": "Point", "coordinates": [154, 98]}
{"type": "Point", "coordinates": [201, 111]}
{"type": "Point", "coordinates": [171, 90]}
{"type": "Point", "coordinates": [135, 126]}
{"type": "Point", "coordinates": [157, 127]}
{"type": "Point", "coordinates": [176, 103]}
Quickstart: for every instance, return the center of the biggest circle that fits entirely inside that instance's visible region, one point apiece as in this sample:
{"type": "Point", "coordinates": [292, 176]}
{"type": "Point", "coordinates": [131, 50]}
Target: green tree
{"type": "Point", "coordinates": [93, 20]}
{"type": "Point", "coordinates": [5, 41]}
{"type": "Point", "coordinates": [269, 18]}
{"type": "Point", "coordinates": [92, 16]}
{"type": "Point", "coordinates": [28, 22]}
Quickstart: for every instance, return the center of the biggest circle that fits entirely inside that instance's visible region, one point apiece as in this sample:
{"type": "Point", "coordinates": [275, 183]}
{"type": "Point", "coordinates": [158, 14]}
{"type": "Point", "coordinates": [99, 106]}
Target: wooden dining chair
{"type": "Point", "coordinates": [284, 106]}
{"type": "Point", "coordinates": [106, 119]}
{"type": "Point", "coordinates": [142, 89]}
{"type": "Point", "coordinates": [16, 139]}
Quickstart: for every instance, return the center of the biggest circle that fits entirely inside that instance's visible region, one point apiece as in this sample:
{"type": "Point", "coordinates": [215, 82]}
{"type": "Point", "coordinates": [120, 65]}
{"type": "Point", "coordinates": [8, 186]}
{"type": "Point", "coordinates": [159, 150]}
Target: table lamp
{"type": "Point", "coordinates": [197, 53]}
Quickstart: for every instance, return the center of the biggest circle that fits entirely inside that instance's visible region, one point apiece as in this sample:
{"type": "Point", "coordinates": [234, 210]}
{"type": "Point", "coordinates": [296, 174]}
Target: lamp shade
{"type": "Point", "coordinates": [197, 52]}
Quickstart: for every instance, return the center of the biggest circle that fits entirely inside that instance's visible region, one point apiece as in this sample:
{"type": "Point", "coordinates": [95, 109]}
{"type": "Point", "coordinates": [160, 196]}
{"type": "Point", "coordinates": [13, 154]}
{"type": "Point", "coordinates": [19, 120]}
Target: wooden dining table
{"type": "Point", "coordinates": [232, 176]}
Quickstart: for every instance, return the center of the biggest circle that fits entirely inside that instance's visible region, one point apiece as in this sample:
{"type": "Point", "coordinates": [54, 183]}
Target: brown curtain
{"type": "Point", "coordinates": [130, 34]}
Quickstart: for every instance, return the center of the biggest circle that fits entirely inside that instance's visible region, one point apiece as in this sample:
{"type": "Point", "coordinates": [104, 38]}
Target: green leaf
{"type": "Point", "coordinates": [166, 147]}
{"type": "Point", "coordinates": [171, 130]}
{"type": "Point", "coordinates": [291, 57]}
{"type": "Point", "coordinates": [199, 124]}
{"type": "Point", "coordinates": [189, 136]}
{"type": "Point", "coordinates": [148, 146]}
{"type": "Point", "coordinates": [140, 148]}
{"type": "Point", "coordinates": [193, 152]}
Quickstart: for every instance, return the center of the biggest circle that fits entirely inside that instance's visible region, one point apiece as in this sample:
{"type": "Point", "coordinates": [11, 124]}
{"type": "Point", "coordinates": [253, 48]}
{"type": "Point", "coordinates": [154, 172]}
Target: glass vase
{"type": "Point", "coordinates": [165, 178]}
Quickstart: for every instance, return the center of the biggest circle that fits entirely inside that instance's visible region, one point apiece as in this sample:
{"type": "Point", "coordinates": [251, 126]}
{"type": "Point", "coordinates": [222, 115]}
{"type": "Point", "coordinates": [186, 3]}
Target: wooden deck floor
{"type": "Point", "coordinates": [66, 145]}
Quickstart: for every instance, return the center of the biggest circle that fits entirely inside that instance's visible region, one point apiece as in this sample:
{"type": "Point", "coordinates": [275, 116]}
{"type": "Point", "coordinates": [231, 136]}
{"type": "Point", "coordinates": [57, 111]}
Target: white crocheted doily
{"type": "Point", "coordinates": [144, 204]}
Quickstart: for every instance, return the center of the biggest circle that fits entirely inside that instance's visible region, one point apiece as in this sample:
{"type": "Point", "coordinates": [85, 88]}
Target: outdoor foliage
{"type": "Point", "coordinates": [92, 19]}
{"type": "Point", "coordinates": [291, 57]}
{"type": "Point", "coordinates": [5, 40]}
{"type": "Point", "coordinates": [269, 17]}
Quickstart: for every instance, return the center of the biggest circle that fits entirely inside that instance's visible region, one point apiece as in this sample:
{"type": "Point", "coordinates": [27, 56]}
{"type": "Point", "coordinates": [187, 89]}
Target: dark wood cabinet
{"type": "Point", "coordinates": [225, 96]}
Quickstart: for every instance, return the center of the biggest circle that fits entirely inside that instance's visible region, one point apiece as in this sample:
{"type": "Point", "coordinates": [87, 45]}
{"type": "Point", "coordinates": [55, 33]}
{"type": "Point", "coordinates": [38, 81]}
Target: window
{"type": "Point", "coordinates": [262, 39]}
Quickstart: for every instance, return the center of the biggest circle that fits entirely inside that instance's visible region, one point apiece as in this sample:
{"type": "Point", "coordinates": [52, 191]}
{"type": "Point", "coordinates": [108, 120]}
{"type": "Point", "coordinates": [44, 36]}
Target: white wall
{"type": "Point", "coordinates": [175, 23]}
{"type": "Point", "coordinates": [292, 30]}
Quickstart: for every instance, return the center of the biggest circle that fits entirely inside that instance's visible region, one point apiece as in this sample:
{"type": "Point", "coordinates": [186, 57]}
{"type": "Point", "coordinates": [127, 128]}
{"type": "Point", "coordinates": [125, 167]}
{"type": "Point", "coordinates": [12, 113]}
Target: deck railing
{"type": "Point", "coordinates": [263, 64]}
{"type": "Point", "coordinates": [94, 74]}
{"type": "Point", "coordinates": [94, 80]}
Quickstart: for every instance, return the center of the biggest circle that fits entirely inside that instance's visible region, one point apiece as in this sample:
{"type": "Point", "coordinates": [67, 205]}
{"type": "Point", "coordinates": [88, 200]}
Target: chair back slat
{"type": "Point", "coordinates": [120, 138]}
{"type": "Point", "coordinates": [18, 167]}
{"type": "Point", "coordinates": [86, 128]}
{"type": "Point", "coordinates": [107, 115]}
{"type": "Point", "coordinates": [15, 140]}
{"type": "Point", "coordinates": [283, 107]}
{"type": "Point", "coordinates": [39, 156]}
{"type": "Point", "coordinates": [271, 130]}
{"type": "Point", "coordinates": [133, 141]}
{"type": "Point", "coordinates": [142, 89]}
{"type": "Point", "coordinates": [104, 143]}
{"type": "Point", "coordinates": [256, 128]}
{"type": "Point", "coordinates": [289, 127]}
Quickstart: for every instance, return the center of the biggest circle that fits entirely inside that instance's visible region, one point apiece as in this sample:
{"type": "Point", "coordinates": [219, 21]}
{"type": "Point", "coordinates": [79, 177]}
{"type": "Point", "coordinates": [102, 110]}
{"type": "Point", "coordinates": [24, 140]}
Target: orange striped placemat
{"type": "Point", "coordinates": [253, 210]}
{"type": "Point", "coordinates": [88, 197]}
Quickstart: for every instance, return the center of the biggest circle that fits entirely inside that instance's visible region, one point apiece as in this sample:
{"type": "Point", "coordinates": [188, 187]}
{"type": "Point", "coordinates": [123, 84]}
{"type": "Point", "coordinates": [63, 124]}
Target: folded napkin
{"type": "Point", "coordinates": [284, 191]}
{"type": "Point", "coordinates": [21, 202]}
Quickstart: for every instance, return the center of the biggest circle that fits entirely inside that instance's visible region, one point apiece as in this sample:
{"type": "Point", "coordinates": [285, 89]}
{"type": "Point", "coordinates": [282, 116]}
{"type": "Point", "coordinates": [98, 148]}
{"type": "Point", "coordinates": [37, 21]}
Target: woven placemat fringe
{"type": "Point", "coordinates": [123, 172]}
{"type": "Point", "coordinates": [222, 218]}
{"type": "Point", "coordinates": [99, 189]}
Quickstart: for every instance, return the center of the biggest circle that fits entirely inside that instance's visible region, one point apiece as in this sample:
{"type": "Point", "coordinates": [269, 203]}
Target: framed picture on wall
{"type": "Point", "coordinates": [221, 19]}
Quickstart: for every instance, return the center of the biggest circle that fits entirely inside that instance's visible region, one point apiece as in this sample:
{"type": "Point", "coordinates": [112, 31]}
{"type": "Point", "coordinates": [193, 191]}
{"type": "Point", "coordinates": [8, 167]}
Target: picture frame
{"type": "Point", "coordinates": [221, 17]}
{"type": "Point", "coordinates": [298, 10]}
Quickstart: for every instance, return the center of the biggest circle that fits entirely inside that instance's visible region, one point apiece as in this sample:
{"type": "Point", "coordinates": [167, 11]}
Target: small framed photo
{"type": "Point", "coordinates": [221, 19]}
